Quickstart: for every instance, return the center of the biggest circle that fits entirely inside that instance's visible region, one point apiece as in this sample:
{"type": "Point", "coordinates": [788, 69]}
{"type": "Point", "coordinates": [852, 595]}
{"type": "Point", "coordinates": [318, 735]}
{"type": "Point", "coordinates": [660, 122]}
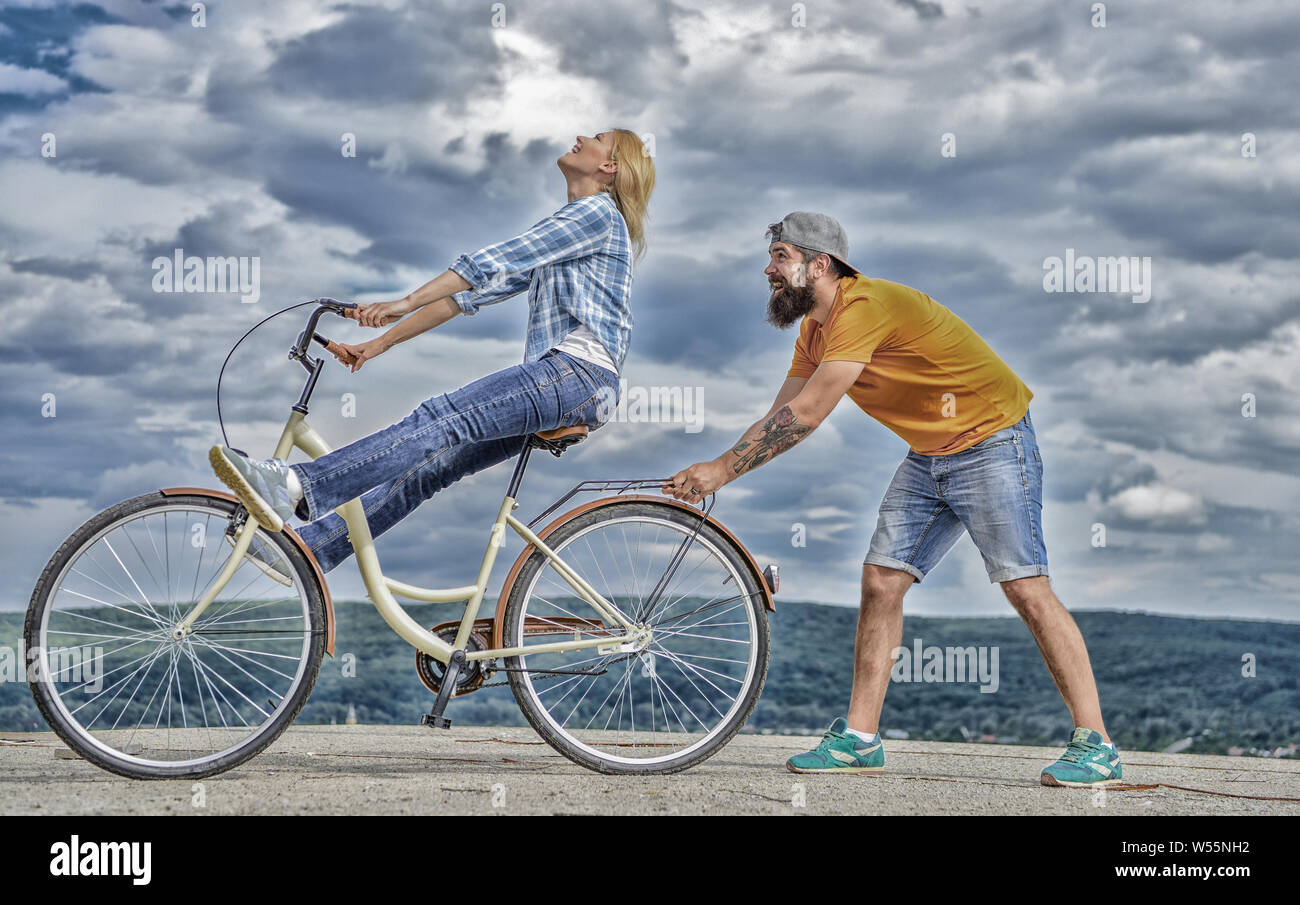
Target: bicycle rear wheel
{"type": "Point", "coordinates": [664, 704]}
{"type": "Point", "coordinates": [127, 696]}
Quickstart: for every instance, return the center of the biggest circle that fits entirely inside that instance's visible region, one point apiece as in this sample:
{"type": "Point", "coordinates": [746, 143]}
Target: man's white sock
{"type": "Point", "coordinates": [868, 737]}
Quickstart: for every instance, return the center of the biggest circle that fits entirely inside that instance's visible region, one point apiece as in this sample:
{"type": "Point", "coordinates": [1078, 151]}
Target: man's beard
{"type": "Point", "coordinates": [788, 304]}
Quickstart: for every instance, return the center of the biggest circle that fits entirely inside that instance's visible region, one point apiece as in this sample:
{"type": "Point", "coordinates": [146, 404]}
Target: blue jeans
{"type": "Point", "coordinates": [994, 490]}
{"type": "Point", "coordinates": [447, 437]}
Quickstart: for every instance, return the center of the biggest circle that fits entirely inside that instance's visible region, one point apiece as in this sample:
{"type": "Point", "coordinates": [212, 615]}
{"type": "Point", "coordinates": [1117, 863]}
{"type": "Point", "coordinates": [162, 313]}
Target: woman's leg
{"type": "Point", "coordinates": [554, 391]}
{"type": "Point", "coordinates": [388, 504]}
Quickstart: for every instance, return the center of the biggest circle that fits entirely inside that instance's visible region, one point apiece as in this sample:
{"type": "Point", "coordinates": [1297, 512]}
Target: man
{"type": "Point", "coordinates": [973, 465]}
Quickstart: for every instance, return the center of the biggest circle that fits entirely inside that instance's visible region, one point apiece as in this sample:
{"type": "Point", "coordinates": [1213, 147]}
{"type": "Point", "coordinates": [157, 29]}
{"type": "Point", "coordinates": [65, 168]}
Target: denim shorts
{"type": "Point", "coordinates": [993, 490]}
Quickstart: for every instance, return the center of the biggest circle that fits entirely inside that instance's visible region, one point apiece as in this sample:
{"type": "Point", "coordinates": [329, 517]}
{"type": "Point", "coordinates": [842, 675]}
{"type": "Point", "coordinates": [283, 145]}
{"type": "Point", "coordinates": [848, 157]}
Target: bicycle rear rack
{"type": "Point", "coordinates": [623, 485]}
{"type": "Point", "coordinates": [617, 485]}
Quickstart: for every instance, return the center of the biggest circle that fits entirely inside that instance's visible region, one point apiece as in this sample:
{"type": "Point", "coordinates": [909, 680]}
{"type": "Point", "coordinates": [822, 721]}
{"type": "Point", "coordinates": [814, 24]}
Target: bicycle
{"type": "Point", "coordinates": [672, 649]}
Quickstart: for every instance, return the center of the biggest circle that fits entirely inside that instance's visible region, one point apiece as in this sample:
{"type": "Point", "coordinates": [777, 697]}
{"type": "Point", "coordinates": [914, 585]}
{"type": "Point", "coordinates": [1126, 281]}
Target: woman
{"type": "Point", "coordinates": [577, 268]}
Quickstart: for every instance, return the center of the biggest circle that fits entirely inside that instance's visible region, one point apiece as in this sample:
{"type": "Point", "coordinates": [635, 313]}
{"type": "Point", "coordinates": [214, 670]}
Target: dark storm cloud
{"type": "Point", "coordinates": [38, 38]}
{"type": "Point", "coordinates": [705, 311]}
{"type": "Point", "coordinates": [56, 267]}
{"type": "Point", "coordinates": [70, 440]}
{"type": "Point", "coordinates": [374, 55]}
{"type": "Point", "coordinates": [625, 46]}
{"type": "Point", "coordinates": [411, 216]}
{"type": "Point", "coordinates": [923, 8]}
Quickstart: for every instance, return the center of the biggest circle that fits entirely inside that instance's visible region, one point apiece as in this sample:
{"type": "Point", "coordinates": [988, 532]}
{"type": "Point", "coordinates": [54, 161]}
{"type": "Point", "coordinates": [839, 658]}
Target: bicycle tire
{"type": "Point", "coordinates": [750, 594]}
{"type": "Point", "coordinates": [80, 738]}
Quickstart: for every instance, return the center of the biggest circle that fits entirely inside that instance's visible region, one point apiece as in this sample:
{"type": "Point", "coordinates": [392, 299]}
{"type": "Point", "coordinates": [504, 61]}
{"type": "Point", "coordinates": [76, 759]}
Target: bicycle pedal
{"type": "Point", "coordinates": [435, 722]}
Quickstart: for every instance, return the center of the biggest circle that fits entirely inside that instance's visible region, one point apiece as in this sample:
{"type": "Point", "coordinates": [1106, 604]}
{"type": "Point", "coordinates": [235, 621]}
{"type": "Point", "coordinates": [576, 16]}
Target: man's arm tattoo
{"type": "Point", "coordinates": [780, 432]}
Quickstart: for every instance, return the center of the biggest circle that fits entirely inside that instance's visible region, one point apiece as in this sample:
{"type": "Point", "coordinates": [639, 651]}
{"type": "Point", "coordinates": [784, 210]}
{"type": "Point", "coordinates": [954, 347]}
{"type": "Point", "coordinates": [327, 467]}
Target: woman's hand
{"type": "Point", "coordinates": [363, 352]}
{"type": "Point", "coordinates": [381, 314]}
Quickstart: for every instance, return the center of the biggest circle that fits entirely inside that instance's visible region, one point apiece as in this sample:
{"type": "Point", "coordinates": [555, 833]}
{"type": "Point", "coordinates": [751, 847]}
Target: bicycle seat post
{"type": "Point", "coordinates": [553, 441]}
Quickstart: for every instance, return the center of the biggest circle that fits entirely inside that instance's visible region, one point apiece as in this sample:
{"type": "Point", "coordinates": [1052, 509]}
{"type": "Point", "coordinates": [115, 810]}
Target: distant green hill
{"type": "Point", "coordinates": [1161, 679]}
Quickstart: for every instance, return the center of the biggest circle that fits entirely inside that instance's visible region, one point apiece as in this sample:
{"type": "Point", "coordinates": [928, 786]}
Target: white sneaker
{"type": "Point", "coordinates": [261, 485]}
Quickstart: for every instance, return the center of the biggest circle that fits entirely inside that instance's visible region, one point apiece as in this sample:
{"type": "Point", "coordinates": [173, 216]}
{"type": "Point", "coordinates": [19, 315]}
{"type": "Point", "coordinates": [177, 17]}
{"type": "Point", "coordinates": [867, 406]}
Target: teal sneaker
{"type": "Point", "coordinates": [840, 752]}
{"type": "Point", "coordinates": [262, 486]}
{"type": "Point", "coordinates": [1086, 762]}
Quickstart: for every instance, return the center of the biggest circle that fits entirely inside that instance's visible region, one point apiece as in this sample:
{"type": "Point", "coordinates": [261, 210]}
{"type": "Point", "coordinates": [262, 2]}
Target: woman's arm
{"type": "Point", "coordinates": [431, 315]}
{"type": "Point", "coordinates": [440, 287]}
{"type": "Point", "coordinates": [443, 286]}
{"type": "Point", "coordinates": [499, 271]}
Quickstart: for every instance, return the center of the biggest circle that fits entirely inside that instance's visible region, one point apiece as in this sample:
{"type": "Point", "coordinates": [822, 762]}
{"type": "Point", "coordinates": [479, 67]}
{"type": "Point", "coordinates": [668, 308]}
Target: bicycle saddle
{"type": "Point", "coordinates": [559, 439]}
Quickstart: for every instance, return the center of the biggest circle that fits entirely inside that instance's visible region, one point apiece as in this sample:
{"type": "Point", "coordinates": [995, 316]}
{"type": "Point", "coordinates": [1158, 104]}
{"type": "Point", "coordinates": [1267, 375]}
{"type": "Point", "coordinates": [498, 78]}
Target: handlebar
{"type": "Point", "coordinates": [299, 350]}
{"type": "Point", "coordinates": [336, 350]}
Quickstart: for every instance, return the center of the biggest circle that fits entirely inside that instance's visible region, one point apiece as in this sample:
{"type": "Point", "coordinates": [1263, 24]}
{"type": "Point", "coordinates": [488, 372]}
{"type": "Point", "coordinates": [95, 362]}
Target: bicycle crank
{"type": "Point", "coordinates": [472, 675]}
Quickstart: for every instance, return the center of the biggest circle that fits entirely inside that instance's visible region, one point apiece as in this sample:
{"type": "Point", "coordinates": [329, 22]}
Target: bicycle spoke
{"type": "Point", "coordinates": [122, 684]}
{"type": "Point", "coordinates": [242, 654]}
{"type": "Point", "coordinates": [700, 669]}
{"type": "Point", "coordinates": [143, 598]}
{"type": "Point", "coordinates": [149, 657]}
{"type": "Point", "coordinates": [680, 685]}
{"type": "Point", "coordinates": [155, 621]}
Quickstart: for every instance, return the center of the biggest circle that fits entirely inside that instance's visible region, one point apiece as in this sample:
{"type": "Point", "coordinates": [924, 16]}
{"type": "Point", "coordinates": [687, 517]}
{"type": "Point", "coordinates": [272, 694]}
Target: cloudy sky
{"type": "Point", "coordinates": [225, 140]}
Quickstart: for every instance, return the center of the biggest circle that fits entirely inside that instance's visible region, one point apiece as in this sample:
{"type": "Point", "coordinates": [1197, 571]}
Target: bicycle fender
{"type": "Point", "coordinates": [499, 620]}
{"type": "Point", "coordinates": [293, 536]}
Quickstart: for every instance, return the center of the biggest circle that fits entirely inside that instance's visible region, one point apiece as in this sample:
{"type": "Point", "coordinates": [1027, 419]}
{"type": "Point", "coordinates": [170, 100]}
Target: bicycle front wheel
{"type": "Point", "coordinates": [121, 691]}
{"type": "Point", "coordinates": [672, 699]}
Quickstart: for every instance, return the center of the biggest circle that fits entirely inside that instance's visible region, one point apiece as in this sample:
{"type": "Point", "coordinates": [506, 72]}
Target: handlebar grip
{"type": "Point", "coordinates": [340, 353]}
{"type": "Point", "coordinates": [334, 304]}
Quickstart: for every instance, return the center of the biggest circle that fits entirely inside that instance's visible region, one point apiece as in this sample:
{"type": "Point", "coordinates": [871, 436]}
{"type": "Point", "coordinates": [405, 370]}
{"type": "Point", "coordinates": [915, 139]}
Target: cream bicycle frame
{"type": "Point", "coordinates": [300, 435]}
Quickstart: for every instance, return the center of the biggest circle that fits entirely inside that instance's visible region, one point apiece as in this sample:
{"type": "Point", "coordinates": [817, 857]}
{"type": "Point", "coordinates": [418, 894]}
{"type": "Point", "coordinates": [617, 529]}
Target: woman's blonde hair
{"type": "Point", "coordinates": [633, 183]}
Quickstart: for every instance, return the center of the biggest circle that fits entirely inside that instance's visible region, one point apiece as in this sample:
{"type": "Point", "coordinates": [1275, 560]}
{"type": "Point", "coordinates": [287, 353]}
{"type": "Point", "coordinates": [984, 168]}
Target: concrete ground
{"type": "Point", "coordinates": [479, 770]}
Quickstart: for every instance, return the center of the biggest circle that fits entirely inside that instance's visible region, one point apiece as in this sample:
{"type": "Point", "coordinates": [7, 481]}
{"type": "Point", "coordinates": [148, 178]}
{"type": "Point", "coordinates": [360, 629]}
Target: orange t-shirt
{"type": "Point", "coordinates": [928, 378]}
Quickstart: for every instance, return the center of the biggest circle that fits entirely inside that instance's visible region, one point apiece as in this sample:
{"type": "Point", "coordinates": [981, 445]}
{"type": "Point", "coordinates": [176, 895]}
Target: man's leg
{"type": "Point", "coordinates": [1062, 647]}
{"type": "Point", "coordinates": [880, 633]}
{"type": "Point", "coordinates": [914, 529]}
{"type": "Point", "coordinates": [997, 491]}
{"type": "Point", "coordinates": [998, 494]}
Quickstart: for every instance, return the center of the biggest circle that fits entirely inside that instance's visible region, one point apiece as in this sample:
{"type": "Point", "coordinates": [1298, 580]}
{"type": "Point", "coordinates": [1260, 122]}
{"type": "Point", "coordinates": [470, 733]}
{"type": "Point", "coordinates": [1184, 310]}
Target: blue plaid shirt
{"type": "Point", "coordinates": [577, 267]}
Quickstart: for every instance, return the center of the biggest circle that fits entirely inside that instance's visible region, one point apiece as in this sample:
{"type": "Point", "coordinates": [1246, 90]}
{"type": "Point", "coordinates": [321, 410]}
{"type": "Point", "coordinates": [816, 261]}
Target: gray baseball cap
{"type": "Point", "coordinates": [815, 232]}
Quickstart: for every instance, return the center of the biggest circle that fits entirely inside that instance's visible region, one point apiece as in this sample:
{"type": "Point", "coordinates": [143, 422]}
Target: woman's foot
{"type": "Point", "coordinates": [261, 485]}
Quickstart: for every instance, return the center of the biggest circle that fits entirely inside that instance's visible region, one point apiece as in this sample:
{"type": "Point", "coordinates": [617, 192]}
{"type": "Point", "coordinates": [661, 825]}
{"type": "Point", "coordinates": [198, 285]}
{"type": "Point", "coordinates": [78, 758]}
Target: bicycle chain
{"type": "Point", "coordinates": [552, 678]}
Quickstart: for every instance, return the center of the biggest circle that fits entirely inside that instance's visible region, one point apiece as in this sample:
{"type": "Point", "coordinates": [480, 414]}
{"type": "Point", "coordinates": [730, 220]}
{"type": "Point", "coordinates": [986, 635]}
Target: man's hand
{"type": "Point", "coordinates": [694, 483]}
{"type": "Point", "coordinates": [380, 314]}
{"type": "Point", "coordinates": [363, 352]}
